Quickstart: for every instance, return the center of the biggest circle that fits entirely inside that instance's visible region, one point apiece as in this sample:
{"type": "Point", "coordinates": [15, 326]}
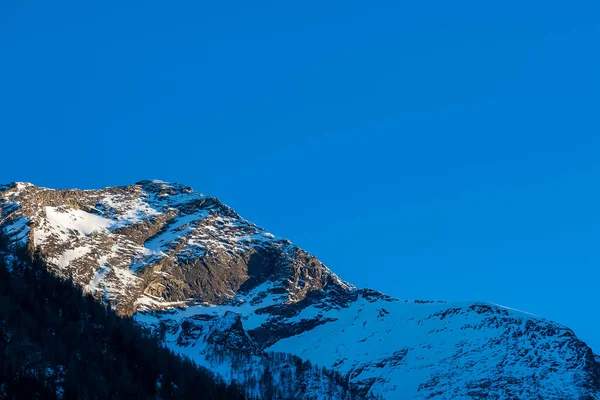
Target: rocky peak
{"type": "Point", "coordinates": [154, 244]}
{"type": "Point", "coordinates": [204, 278]}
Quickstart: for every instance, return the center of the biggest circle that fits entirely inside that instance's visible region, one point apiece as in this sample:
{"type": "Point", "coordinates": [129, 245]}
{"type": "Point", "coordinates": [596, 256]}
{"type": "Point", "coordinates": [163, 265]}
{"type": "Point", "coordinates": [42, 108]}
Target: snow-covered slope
{"type": "Point", "coordinates": [227, 293]}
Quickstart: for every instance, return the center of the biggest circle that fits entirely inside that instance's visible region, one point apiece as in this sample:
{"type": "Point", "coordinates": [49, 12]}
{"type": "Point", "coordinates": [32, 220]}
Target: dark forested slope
{"type": "Point", "coordinates": [56, 342]}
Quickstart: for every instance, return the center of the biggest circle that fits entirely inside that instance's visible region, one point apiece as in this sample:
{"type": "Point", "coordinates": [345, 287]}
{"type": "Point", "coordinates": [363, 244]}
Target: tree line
{"type": "Point", "coordinates": [57, 342]}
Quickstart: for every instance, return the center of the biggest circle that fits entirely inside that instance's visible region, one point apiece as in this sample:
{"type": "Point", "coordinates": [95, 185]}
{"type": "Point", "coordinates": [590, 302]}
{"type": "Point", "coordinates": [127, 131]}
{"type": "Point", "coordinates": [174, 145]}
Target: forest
{"type": "Point", "coordinates": [57, 342]}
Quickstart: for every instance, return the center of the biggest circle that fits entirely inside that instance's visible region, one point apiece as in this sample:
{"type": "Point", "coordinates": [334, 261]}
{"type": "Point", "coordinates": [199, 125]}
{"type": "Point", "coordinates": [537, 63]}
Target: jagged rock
{"type": "Point", "coordinates": [207, 281]}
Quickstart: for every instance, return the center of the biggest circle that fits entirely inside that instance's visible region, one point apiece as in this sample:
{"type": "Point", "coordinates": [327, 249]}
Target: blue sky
{"type": "Point", "coordinates": [433, 150]}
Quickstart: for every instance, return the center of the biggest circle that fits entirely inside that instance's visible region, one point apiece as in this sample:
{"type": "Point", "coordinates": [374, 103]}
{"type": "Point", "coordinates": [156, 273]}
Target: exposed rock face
{"type": "Point", "coordinates": [154, 245]}
{"type": "Point", "coordinates": [204, 278]}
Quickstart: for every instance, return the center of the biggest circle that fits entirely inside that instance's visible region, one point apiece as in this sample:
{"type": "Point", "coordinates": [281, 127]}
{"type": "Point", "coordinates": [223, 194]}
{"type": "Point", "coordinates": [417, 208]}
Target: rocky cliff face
{"type": "Point", "coordinates": [210, 282]}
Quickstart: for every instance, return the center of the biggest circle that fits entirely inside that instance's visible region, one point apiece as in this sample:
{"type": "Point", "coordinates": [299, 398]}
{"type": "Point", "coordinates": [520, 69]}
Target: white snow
{"type": "Point", "coordinates": [250, 318]}
{"type": "Point", "coordinates": [98, 276]}
{"type": "Point", "coordinates": [362, 335]}
{"type": "Point", "coordinates": [83, 222]}
{"type": "Point", "coordinates": [71, 255]}
{"type": "Point", "coordinates": [147, 302]}
{"type": "Point", "coordinates": [131, 211]}
{"type": "Point", "coordinates": [66, 222]}
{"type": "Point", "coordinates": [181, 226]}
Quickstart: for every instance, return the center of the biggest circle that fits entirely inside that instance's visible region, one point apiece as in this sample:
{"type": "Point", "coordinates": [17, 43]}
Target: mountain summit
{"type": "Point", "coordinates": [236, 299]}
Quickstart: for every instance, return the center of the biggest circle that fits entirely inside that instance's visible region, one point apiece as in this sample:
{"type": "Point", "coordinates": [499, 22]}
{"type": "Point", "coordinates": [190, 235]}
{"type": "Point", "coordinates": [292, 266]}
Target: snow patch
{"type": "Point", "coordinates": [98, 276]}
{"type": "Point", "coordinates": [71, 255]}
{"type": "Point", "coordinates": [66, 222]}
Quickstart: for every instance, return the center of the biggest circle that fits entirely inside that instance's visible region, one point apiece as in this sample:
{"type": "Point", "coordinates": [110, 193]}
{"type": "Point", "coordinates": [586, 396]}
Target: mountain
{"type": "Point", "coordinates": [56, 343]}
{"type": "Point", "coordinates": [257, 309]}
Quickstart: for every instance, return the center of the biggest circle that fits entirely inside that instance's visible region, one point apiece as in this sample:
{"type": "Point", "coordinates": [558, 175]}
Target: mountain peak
{"type": "Point", "coordinates": [157, 185]}
{"type": "Point", "coordinates": [206, 280]}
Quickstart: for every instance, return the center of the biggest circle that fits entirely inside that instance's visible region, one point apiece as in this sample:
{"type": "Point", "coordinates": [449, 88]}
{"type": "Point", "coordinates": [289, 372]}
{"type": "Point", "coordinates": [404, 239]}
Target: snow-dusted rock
{"type": "Point", "coordinates": [214, 286]}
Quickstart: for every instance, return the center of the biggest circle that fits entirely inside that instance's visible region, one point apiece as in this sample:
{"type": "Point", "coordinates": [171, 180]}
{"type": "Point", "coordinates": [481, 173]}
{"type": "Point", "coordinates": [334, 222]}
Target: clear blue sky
{"type": "Point", "coordinates": [432, 150]}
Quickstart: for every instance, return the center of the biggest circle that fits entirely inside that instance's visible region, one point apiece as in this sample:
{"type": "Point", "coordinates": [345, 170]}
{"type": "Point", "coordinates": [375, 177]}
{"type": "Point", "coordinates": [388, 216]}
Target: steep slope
{"type": "Point", "coordinates": [213, 285]}
{"type": "Point", "coordinates": [56, 343]}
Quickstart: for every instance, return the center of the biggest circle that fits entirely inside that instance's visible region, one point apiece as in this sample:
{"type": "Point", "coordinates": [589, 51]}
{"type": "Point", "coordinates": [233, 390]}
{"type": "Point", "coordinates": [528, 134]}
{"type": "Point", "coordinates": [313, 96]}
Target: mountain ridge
{"type": "Point", "coordinates": [186, 265]}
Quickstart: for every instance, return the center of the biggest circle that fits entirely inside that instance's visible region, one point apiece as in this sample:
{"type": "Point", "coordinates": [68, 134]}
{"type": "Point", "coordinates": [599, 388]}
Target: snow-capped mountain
{"type": "Point", "coordinates": [242, 301]}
